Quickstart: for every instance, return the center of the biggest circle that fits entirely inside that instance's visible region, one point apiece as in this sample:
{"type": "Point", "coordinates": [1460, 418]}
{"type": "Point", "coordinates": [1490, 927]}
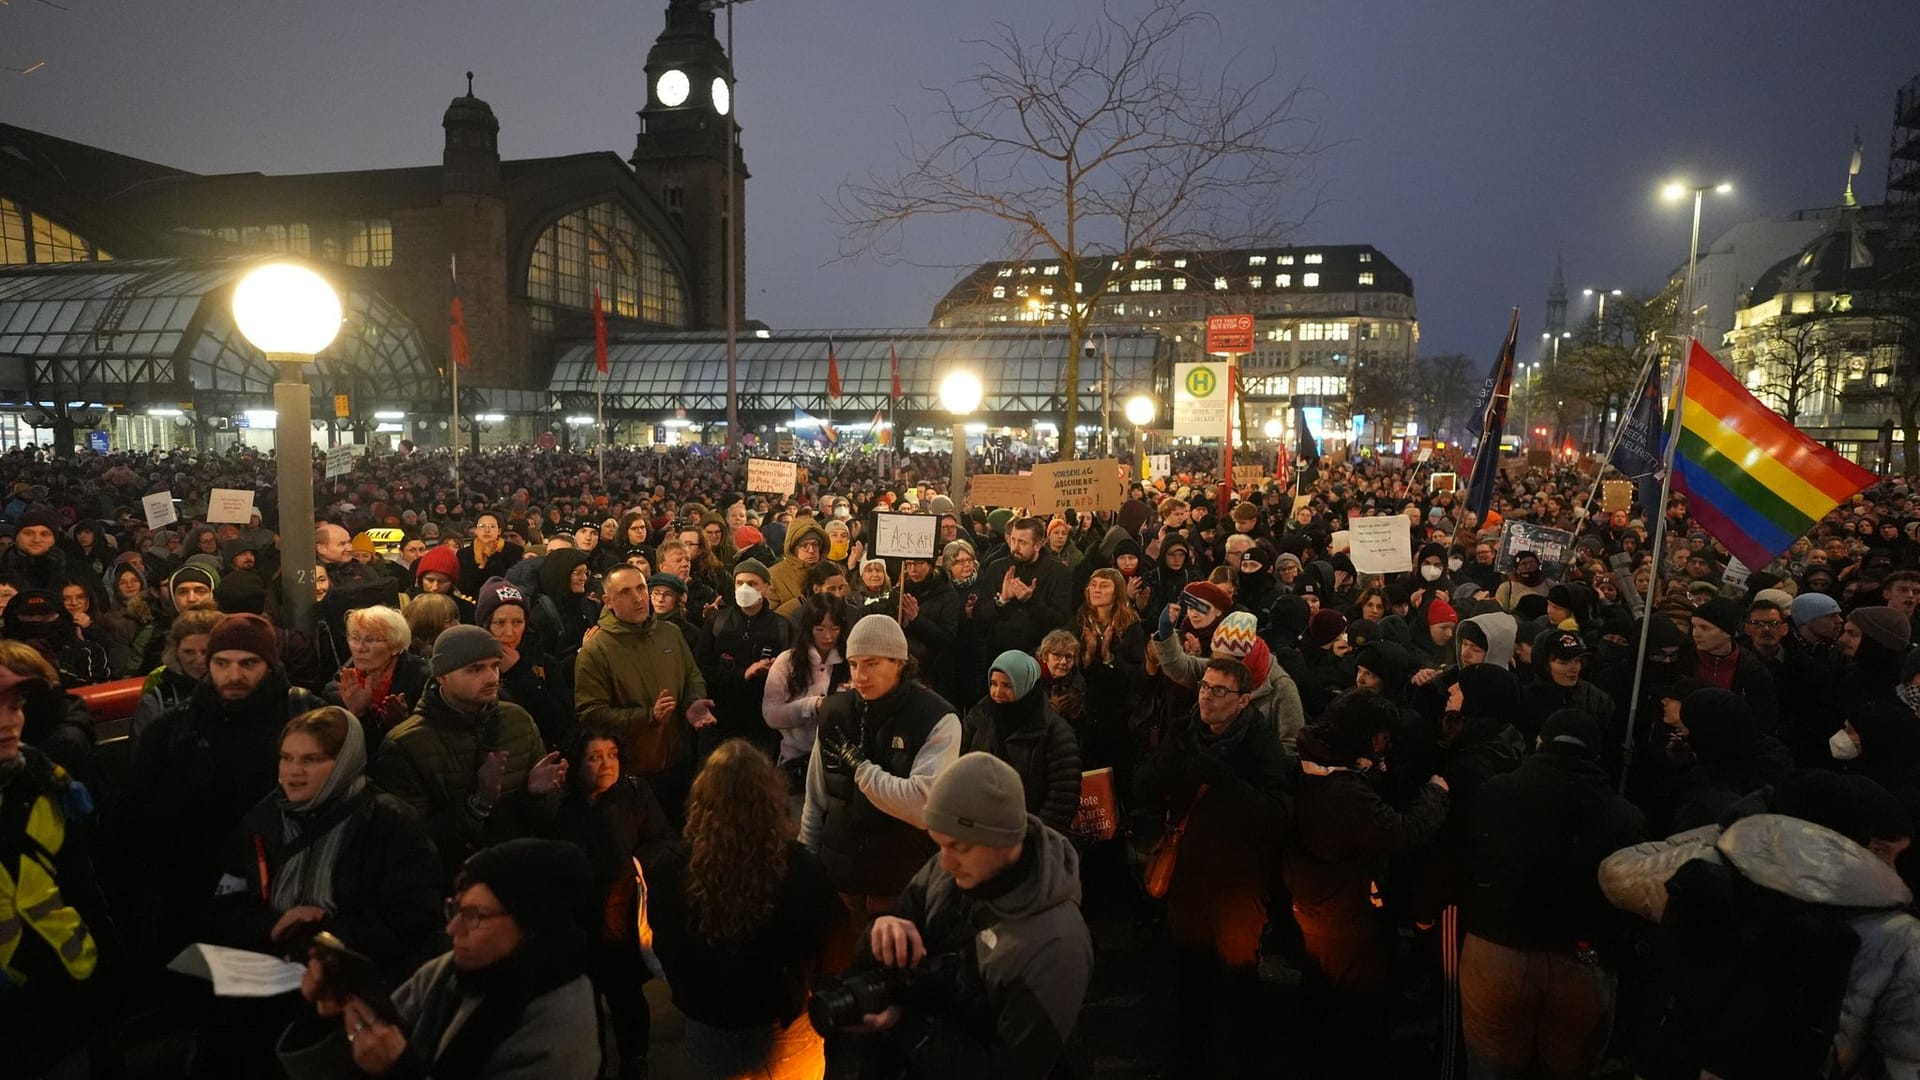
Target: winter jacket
{"type": "Point", "coordinates": [1749, 678]}
{"type": "Point", "coordinates": [789, 575]}
{"type": "Point", "coordinates": [1278, 699]}
{"type": "Point", "coordinates": [431, 762]}
{"type": "Point", "coordinates": [474, 571]}
{"type": "Point", "coordinates": [1018, 625]}
{"type": "Point", "coordinates": [387, 884]}
{"type": "Point", "coordinates": [730, 643]}
{"type": "Point", "coordinates": [624, 824]}
{"type": "Point", "coordinates": [619, 674]}
{"type": "Point", "coordinates": [1016, 1010]}
{"type": "Point", "coordinates": [1343, 833]}
{"type": "Point", "coordinates": [1028, 735]}
{"type": "Point", "coordinates": [932, 634]}
{"type": "Point", "coordinates": [1879, 1033]}
{"type": "Point", "coordinates": [796, 718]}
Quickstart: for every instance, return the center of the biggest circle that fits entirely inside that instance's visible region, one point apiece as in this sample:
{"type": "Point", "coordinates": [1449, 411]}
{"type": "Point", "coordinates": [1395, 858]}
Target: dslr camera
{"type": "Point", "coordinates": [844, 1002]}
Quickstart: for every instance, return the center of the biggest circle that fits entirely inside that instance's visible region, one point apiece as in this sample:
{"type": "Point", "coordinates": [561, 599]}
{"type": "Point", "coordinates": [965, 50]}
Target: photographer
{"type": "Point", "coordinates": [992, 927]}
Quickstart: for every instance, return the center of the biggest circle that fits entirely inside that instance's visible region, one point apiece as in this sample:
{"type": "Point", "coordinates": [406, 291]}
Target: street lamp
{"type": "Point", "coordinates": [1275, 427]}
{"type": "Point", "coordinates": [291, 313]}
{"type": "Point", "coordinates": [1674, 191]}
{"type": "Point", "coordinates": [960, 394]}
{"type": "Point", "coordinates": [1600, 317]}
{"type": "Point", "coordinates": [1140, 413]}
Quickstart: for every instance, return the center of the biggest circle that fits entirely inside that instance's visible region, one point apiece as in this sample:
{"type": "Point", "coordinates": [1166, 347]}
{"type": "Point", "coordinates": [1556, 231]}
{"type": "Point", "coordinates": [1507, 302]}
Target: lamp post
{"type": "Point", "coordinates": [1674, 192]}
{"type": "Point", "coordinates": [1140, 413]}
{"type": "Point", "coordinates": [1600, 316]}
{"type": "Point", "coordinates": [960, 394]}
{"type": "Point", "coordinates": [1274, 428]}
{"type": "Point", "coordinates": [291, 313]}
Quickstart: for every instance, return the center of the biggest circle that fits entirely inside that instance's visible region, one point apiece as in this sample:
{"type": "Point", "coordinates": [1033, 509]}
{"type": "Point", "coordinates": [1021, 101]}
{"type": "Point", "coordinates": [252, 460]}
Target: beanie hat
{"type": "Point", "coordinates": [45, 519]}
{"type": "Point", "coordinates": [193, 573]}
{"type": "Point", "coordinates": [667, 581]}
{"type": "Point", "coordinates": [1286, 559]}
{"type": "Point", "coordinates": [1289, 617]}
{"type": "Point", "coordinates": [877, 635]}
{"type": "Point", "coordinates": [1237, 635]}
{"type": "Point", "coordinates": [240, 591]}
{"type": "Point", "coordinates": [998, 519]}
{"type": "Point", "coordinates": [1809, 606]}
{"type": "Point", "coordinates": [1724, 614]}
{"type": "Point", "coordinates": [546, 885]}
{"type": "Point", "coordinates": [1466, 591]}
{"type": "Point", "coordinates": [1325, 625]}
{"type": "Point", "coordinates": [1885, 626]}
{"type": "Point", "coordinates": [977, 800]}
{"type": "Point", "coordinates": [1571, 730]}
{"type": "Point", "coordinates": [363, 541]}
{"type": "Point", "coordinates": [939, 504]}
{"type": "Point", "coordinates": [496, 591]}
{"type": "Point", "coordinates": [1439, 613]}
{"type": "Point", "coordinates": [747, 536]}
{"type": "Point", "coordinates": [1020, 669]}
{"type": "Point", "coordinates": [1207, 597]}
{"type": "Point", "coordinates": [1779, 598]}
{"type": "Point", "coordinates": [754, 567]}
{"type": "Point", "coordinates": [458, 646]}
{"type": "Point", "coordinates": [437, 560]}
{"type": "Point", "coordinates": [245, 633]}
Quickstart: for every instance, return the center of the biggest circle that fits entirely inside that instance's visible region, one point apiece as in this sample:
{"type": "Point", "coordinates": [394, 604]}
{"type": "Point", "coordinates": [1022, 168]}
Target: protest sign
{"type": "Point", "coordinates": [1616, 495]}
{"type": "Point", "coordinates": [1443, 481]}
{"type": "Point", "coordinates": [159, 508]}
{"type": "Point", "coordinates": [769, 477]}
{"type": "Point", "coordinates": [905, 536]}
{"type": "Point", "coordinates": [1552, 546]}
{"type": "Point", "coordinates": [1099, 815]}
{"type": "Point", "coordinates": [1159, 465]}
{"type": "Point", "coordinates": [1077, 485]}
{"type": "Point", "coordinates": [1000, 489]}
{"type": "Point", "coordinates": [1381, 545]}
{"type": "Point", "coordinates": [339, 460]}
{"type": "Point", "coordinates": [230, 504]}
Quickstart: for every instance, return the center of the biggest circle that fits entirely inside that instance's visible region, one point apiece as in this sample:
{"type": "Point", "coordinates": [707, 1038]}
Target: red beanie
{"type": "Point", "coordinates": [1440, 612]}
{"type": "Point", "coordinates": [245, 633]}
{"type": "Point", "coordinates": [438, 560]}
{"type": "Point", "coordinates": [1325, 625]}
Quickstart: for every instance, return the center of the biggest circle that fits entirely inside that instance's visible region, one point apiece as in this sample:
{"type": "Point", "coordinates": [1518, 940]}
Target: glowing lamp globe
{"type": "Point", "coordinates": [1140, 410]}
{"type": "Point", "coordinates": [1275, 428]}
{"type": "Point", "coordinates": [960, 392]}
{"type": "Point", "coordinates": [284, 308]}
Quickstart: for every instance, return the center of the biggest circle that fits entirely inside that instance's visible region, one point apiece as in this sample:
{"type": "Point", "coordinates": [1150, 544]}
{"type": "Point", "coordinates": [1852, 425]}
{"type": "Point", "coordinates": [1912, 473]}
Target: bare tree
{"type": "Point", "coordinates": [1443, 392]}
{"type": "Point", "coordinates": [1099, 144]}
{"type": "Point", "coordinates": [1794, 359]}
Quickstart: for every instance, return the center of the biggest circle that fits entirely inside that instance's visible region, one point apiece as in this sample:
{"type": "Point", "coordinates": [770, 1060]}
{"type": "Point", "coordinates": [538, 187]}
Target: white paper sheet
{"type": "Point", "coordinates": [238, 972]}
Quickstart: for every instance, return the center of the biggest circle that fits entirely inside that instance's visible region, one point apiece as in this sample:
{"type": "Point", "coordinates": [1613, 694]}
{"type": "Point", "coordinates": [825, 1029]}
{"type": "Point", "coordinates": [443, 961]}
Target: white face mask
{"type": "Point", "coordinates": [1842, 746]}
{"type": "Point", "coordinates": [842, 513]}
{"type": "Point", "coordinates": [1430, 572]}
{"type": "Point", "coordinates": [1455, 564]}
{"type": "Point", "coordinates": [745, 595]}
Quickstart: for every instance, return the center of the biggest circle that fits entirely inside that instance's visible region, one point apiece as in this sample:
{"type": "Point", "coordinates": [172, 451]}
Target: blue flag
{"type": "Point", "coordinates": [1492, 423]}
{"type": "Point", "coordinates": [1637, 453]}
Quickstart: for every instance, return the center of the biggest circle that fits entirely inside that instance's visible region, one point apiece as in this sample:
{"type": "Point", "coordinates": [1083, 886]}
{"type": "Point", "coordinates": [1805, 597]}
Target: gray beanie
{"type": "Point", "coordinates": [877, 635]}
{"type": "Point", "coordinates": [1883, 625]}
{"type": "Point", "coordinates": [754, 567]}
{"type": "Point", "coordinates": [458, 646]}
{"type": "Point", "coordinates": [978, 800]}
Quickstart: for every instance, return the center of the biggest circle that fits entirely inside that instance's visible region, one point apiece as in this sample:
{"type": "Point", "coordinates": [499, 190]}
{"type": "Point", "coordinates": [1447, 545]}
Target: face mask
{"type": "Point", "coordinates": [842, 513]}
{"type": "Point", "coordinates": [1842, 746]}
{"type": "Point", "coordinates": [1531, 579]}
{"type": "Point", "coordinates": [1430, 573]}
{"type": "Point", "coordinates": [745, 596]}
{"type": "Point", "coordinates": [837, 550]}
{"type": "Point", "coordinates": [1455, 564]}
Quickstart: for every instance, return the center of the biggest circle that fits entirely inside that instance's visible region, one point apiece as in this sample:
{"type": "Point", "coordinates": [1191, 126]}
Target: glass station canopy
{"type": "Point", "coordinates": [161, 330]}
{"type": "Point", "coordinates": [1024, 371]}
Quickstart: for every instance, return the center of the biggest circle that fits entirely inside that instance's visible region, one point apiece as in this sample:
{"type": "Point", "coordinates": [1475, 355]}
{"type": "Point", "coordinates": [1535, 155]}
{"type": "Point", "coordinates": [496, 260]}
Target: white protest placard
{"type": "Point", "coordinates": [1200, 399]}
{"type": "Point", "coordinates": [1159, 465]}
{"type": "Point", "coordinates": [1341, 540]}
{"type": "Point", "coordinates": [1443, 481]}
{"type": "Point", "coordinates": [905, 536]}
{"type": "Point", "coordinates": [339, 460]}
{"type": "Point", "coordinates": [1077, 485]}
{"type": "Point", "coordinates": [1735, 576]}
{"type": "Point", "coordinates": [1000, 489]}
{"type": "Point", "coordinates": [159, 508]}
{"type": "Point", "coordinates": [230, 504]}
{"type": "Point", "coordinates": [768, 477]}
{"type": "Point", "coordinates": [1424, 455]}
{"type": "Point", "coordinates": [1380, 544]}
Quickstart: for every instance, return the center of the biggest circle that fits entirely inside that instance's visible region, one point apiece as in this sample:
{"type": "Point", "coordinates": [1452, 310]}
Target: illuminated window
{"type": "Point", "coordinates": [1325, 331]}
{"type": "Point", "coordinates": [1283, 281]}
{"type": "Point", "coordinates": [1179, 264]}
{"type": "Point", "coordinates": [1005, 271]}
{"type": "Point", "coordinates": [1312, 260]}
{"type": "Point", "coordinates": [1051, 270]}
{"type": "Point", "coordinates": [369, 243]}
{"type": "Point", "coordinates": [1142, 264]}
{"type": "Point", "coordinates": [999, 292]}
{"type": "Point", "coordinates": [1286, 260]}
{"type": "Point", "coordinates": [1280, 333]}
{"type": "Point", "coordinates": [1145, 285]}
{"type": "Point", "coordinates": [604, 247]}
{"type": "Point", "coordinates": [1311, 281]}
{"type": "Point", "coordinates": [26, 237]}
{"type": "Point", "coordinates": [1254, 282]}
{"type": "Point", "coordinates": [1256, 260]}
{"type": "Point", "coordinates": [1366, 277]}
{"type": "Point", "coordinates": [1179, 283]}
{"type": "Point", "coordinates": [1366, 256]}
{"type": "Point", "coordinates": [1046, 290]}
{"type": "Point", "coordinates": [1219, 283]}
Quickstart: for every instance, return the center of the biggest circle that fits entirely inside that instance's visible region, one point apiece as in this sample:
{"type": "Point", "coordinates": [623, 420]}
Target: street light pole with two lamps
{"type": "Point", "coordinates": [960, 394]}
{"type": "Point", "coordinates": [291, 313]}
{"type": "Point", "coordinates": [1674, 192]}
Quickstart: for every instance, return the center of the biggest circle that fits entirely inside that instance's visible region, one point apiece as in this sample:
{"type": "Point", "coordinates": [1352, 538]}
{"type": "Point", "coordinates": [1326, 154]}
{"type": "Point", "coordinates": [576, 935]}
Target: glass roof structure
{"type": "Point", "coordinates": [1023, 371]}
{"type": "Point", "coordinates": [161, 330]}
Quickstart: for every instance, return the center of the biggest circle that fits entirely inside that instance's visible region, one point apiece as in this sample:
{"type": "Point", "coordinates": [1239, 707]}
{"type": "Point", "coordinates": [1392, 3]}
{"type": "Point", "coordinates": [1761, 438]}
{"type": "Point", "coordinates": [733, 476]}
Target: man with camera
{"type": "Point", "coordinates": [981, 970]}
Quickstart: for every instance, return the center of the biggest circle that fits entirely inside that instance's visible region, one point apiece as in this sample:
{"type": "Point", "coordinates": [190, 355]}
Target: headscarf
{"type": "Point", "coordinates": [307, 875]}
{"type": "Point", "coordinates": [1021, 670]}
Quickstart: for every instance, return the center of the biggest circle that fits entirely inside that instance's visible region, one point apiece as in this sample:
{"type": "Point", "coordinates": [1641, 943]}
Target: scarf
{"type": "Point", "coordinates": [315, 825]}
{"type": "Point", "coordinates": [504, 989]}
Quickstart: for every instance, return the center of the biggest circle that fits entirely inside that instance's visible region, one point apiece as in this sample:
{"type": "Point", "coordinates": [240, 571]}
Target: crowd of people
{"type": "Point", "coordinates": [547, 739]}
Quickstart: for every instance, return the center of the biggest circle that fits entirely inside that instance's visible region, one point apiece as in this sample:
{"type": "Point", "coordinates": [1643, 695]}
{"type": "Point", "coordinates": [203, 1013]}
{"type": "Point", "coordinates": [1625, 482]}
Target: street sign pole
{"type": "Point", "coordinates": [1230, 336]}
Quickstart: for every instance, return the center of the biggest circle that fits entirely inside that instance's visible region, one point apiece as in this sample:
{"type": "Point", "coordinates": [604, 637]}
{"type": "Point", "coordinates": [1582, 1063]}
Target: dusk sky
{"type": "Point", "coordinates": [1472, 141]}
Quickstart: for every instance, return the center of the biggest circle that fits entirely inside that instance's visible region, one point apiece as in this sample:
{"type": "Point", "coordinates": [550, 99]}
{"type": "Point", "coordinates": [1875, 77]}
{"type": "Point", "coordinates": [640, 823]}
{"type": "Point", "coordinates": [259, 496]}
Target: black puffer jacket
{"type": "Point", "coordinates": [932, 634]}
{"type": "Point", "coordinates": [1028, 735]}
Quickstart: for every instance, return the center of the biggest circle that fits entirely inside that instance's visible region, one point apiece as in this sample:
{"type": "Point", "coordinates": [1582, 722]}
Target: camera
{"type": "Point", "coordinates": [844, 1002]}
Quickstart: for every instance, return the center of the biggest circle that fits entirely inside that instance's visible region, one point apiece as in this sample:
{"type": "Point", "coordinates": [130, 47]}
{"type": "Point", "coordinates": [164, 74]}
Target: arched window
{"type": "Point", "coordinates": [603, 247]}
{"type": "Point", "coordinates": [27, 237]}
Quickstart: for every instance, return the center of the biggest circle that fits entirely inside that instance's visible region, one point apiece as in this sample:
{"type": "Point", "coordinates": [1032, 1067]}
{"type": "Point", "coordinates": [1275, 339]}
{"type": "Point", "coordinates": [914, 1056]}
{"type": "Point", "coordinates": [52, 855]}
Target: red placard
{"type": "Point", "coordinates": [1230, 334]}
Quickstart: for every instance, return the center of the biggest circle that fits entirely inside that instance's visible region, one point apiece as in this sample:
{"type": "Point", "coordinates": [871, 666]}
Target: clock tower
{"type": "Point", "coordinates": [687, 134]}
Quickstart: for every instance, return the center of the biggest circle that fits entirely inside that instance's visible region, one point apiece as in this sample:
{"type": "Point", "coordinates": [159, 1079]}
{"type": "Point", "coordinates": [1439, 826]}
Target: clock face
{"type": "Point", "coordinates": [722, 96]}
{"type": "Point", "coordinates": [672, 88]}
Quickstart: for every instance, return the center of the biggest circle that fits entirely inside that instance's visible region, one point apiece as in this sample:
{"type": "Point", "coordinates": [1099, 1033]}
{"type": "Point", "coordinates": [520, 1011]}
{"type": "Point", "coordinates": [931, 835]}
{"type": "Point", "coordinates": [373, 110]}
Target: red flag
{"type": "Point", "coordinates": [895, 355]}
{"type": "Point", "coordinates": [599, 333]}
{"type": "Point", "coordinates": [457, 322]}
{"type": "Point", "coordinates": [833, 372]}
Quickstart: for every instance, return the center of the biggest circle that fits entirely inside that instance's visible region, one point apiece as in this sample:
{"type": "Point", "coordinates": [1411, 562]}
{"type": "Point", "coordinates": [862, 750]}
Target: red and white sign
{"type": "Point", "coordinates": [1229, 334]}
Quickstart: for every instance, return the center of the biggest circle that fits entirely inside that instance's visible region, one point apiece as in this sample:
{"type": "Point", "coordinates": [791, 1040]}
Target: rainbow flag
{"type": "Point", "coordinates": [1752, 479]}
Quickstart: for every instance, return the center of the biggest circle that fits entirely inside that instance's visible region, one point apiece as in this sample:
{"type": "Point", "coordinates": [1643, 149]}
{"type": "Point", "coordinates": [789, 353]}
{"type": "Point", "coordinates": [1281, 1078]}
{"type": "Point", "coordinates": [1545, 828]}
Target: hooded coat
{"type": "Point", "coordinates": [788, 580]}
{"type": "Point", "coordinates": [619, 674]}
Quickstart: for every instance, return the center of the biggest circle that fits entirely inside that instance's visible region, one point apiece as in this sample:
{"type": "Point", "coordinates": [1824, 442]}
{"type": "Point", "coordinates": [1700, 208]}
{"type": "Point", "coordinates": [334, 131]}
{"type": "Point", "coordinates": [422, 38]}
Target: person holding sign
{"type": "Point", "coordinates": [1033, 594]}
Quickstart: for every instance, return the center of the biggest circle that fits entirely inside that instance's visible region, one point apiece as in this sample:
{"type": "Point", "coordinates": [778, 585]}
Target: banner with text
{"type": "Point", "coordinates": [1077, 485]}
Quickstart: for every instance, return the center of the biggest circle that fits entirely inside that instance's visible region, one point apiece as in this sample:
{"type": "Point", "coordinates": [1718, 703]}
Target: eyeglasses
{"type": "Point", "coordinates": [358, 639]}
{"type": "Point", "coordinates": [471, 916]}
{"type": "Point", "coordinates": [1217, 691]}
{"type": "Point", "coordinates": [1766, 624]}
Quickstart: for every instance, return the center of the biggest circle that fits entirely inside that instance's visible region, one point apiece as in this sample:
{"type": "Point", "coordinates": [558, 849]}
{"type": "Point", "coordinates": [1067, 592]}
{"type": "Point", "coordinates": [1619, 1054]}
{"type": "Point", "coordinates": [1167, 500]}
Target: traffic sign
{"type": "Point", "coordinates": [1200, 399]}
{"type": "Point", "coordinates": [1228, 335]}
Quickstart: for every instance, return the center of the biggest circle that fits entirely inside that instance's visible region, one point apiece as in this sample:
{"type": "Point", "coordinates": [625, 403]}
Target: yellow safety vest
{"type": "Point", "coordinates": [31, 903]}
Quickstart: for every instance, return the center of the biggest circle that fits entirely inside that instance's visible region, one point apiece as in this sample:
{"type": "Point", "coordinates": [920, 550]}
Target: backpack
{"type": "Point", "coordinates": [1755, 979]}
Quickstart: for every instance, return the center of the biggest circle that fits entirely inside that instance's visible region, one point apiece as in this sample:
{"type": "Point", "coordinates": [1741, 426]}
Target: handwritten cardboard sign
{"type": "Point", "coordinates": [339, 460]}
{"type": "Point", "coordinates": [159, 508]}
{"type": "Point", "coordinates": [1616, 495]}
{"type": "Point", "coordinates": [766, 476]}
{"type": "Point", "coordinates": [1077, 485]}
{"type": "Point", "coordinates": [1000, 489]}
{"type": "Point", "coordinates": [230, 504]}
{"type": "Point", "coordinates": [1248, 475]}
{"type": "Point", "coordinates": [1380, 544]}
{"type": "Point", "coordinates": [1443, 481]}
{"type": "Point", "coordinates": [905, 536]}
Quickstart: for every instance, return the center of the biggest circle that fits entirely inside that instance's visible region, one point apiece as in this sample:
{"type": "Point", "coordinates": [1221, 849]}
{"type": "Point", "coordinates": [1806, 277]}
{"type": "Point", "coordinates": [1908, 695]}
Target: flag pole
{"type": "Point", "coordinates": [1659, 546]}
{"type": "Point", "coordinates": [454, 432]}
{"type": "Point", "coordinates": [1619, 433]}
{"type": "Point", "coordinates": [600, 424]}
